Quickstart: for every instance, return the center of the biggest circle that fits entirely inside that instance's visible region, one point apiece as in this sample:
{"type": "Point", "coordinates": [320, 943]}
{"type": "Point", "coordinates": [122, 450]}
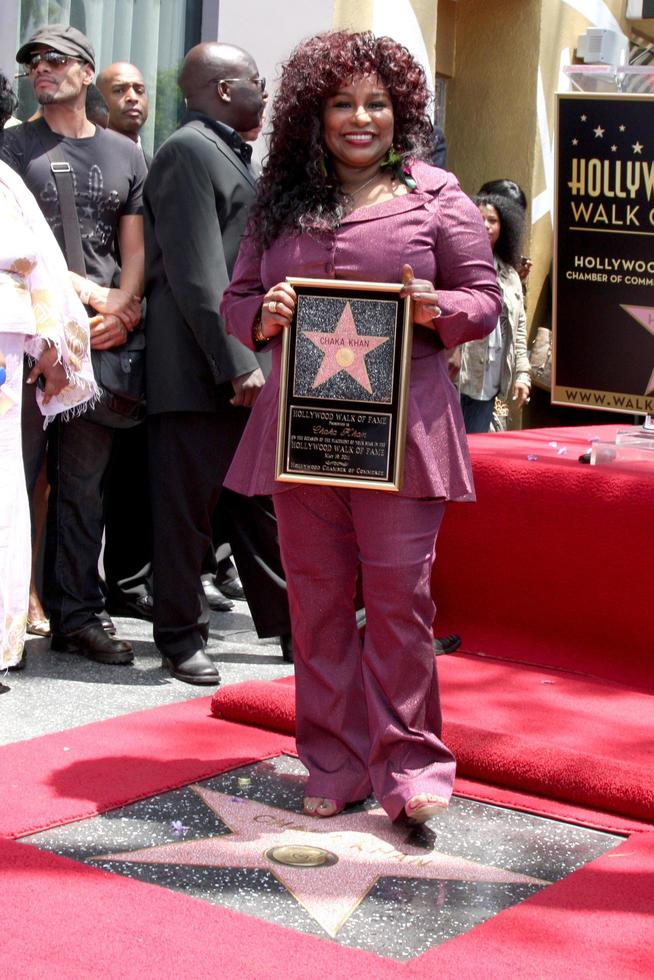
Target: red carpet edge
{"type": "Point", "coordinates": [70, 775]}
{"type": "Point", "coordinates": [576, 748]}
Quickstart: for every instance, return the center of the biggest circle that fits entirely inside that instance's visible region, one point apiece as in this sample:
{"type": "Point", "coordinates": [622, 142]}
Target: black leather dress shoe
{"type": "Point", "coordinates": [232, 588]}
{"type": "Point", "coordinates": [447, 644]}
{"type": "Point", "coordinates": [442, 644]}
{"type": "Point", "coordinates": [192, 668]}
{"type": "Point", "coordinates": [286, 643]}
{"type": "Point", "coordinates": [136, 606]}
{"type": "Point", "coordinates": [216, 599]}
{"type": "Point", "coordinates": [106, 622]}
{"type": "Point", "coordinates": [94, 643]}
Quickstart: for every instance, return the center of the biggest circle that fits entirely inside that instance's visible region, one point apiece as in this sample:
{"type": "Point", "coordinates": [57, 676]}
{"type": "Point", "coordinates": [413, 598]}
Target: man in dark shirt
{"type": "Point", "coordinates": [200, 382]}
{"type": "Point", "coordinates": [126, 96]}
{"type": "Point", "coordinates": [128, 532]}
{"type": "Point", "coordinates": [108, 175]}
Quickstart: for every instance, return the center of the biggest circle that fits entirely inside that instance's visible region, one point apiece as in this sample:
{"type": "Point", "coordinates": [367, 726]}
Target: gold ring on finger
{"type": "Point", "coordinates": [272, 306]}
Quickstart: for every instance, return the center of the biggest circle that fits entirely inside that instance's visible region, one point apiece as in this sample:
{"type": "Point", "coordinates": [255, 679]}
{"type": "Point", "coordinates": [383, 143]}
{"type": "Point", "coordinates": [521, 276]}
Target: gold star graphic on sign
{"type": "Point", "coordinates": [622, 128]}
{"type": "Point", "coordinates": [575, 141]}
{"type": "Point", "coordinates": [327, 866]}
{"type": "Point", "coordinates": [599, 132]}
{"type": "Point", "coordinates": [645, 316]}
{"type": "Point", "coordinates": [614, 148]}
{"type": "Point", "coordinates": [637, 147]}
{"type": "Point", "coordinates": [584, 117]}
{"type": "Point", "coordinates": [344, 350]}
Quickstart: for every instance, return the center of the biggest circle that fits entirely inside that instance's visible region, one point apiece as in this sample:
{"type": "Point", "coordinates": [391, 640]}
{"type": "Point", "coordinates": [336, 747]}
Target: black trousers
{"type": "Point", "coordinates": [125, 493]}
{"type": "Point", "coordinates": [189, 455]}
{"type": "Point", "coordinates": [127, 516]}
{"type": "Point", "coordinates": [78, 454]}
{"type": "Point", "coordinates": [250, 526]}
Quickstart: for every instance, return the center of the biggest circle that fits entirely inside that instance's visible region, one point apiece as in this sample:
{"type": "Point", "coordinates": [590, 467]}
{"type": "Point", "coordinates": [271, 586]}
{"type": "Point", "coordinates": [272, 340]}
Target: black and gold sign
{"type": "Point", "coordinates": [604, 253]}
{"type": "Point", "coordinates": [343, 387]}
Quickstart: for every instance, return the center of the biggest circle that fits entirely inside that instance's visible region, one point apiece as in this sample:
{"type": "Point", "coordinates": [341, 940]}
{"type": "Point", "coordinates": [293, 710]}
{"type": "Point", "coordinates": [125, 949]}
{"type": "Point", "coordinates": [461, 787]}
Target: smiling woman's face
{"type": "Point", "coordinates": [358, 123]}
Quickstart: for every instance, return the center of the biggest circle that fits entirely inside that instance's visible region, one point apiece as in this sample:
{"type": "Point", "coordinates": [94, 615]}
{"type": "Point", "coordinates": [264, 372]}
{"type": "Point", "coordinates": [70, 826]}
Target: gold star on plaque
{"type": "Point", "coordinates": [344, 350]}
{"type": "Point", "coordinates": [599, 132]}
{"type": "Point", "coordinates": [637, 147]}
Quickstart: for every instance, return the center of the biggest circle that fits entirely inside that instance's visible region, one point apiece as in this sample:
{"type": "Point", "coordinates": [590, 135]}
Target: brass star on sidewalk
{"type": "Point", "coordinates": [344, 350]}
{"type": "Point", "coordinates": [328, 866]}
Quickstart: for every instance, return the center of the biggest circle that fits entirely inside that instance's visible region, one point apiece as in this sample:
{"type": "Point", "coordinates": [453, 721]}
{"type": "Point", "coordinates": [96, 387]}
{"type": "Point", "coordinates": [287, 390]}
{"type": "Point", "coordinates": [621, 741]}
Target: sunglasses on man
{"type": "Point", "coordinates": [256, 80]}
{"type": "Point", "coordinates": [50, 58]}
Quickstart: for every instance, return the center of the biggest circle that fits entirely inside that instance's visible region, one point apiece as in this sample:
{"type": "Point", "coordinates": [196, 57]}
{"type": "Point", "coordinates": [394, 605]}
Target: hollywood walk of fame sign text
{"type": "Point", "coordinates": [343, 387]}
{"type": "Point", "coordinates": [603, 354]}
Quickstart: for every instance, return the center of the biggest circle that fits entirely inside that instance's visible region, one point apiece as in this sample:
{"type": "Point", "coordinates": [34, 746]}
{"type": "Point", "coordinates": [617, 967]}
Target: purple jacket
{"type": "Point", "coordinates": [439, 232]}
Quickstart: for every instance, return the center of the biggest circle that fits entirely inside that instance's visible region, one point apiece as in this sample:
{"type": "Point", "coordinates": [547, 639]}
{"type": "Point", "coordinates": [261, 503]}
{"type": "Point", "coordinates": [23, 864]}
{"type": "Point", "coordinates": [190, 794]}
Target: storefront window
{"type": "Point", "coordinates": [154, 35]}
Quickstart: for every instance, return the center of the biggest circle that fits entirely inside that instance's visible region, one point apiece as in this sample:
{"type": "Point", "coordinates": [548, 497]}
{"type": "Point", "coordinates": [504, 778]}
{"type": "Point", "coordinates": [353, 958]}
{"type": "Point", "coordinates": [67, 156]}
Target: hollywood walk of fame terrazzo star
{"type": "Point", "coordinates": [366, 847]}
{"type": "Point", "coordinates": [344, 350]}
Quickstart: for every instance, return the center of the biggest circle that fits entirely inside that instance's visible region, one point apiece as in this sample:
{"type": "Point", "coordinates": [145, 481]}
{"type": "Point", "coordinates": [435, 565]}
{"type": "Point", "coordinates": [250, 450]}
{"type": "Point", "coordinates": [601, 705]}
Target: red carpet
{"type": "Point", "coordinates": [74, 774]}
{"type": "Point", "coordinates": [552, 565]}
{"type": "Point", "coordinates": [563, 738]}
{"type": "Point", "coordinates": [548, 580]}
{"type": "Point", "coordinates": [549, 570]}
{"type": "Point", "coordinates": [67, 921]}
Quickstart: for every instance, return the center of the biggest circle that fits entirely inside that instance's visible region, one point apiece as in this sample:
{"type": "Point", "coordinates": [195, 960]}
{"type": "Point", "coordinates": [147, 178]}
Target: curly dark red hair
{"type": "Point", "coordinates": [294, 191]}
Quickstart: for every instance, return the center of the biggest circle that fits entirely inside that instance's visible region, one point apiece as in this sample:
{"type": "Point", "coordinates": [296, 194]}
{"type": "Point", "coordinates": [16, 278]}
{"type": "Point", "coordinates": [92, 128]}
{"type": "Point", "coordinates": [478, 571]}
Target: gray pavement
{"type": "Point", "coordinates": [58, 691]}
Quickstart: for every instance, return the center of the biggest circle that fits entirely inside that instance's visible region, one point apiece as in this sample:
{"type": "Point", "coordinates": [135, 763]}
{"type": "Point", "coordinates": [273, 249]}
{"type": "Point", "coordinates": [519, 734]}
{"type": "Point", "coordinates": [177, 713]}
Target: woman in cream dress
{"type": "Point", "coordinates": [41, 316]}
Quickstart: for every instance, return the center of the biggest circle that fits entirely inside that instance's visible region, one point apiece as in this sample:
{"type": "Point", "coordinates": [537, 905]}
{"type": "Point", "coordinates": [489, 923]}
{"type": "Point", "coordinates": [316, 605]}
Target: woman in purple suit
{"type": "Point", "coordinates": [343, 195]}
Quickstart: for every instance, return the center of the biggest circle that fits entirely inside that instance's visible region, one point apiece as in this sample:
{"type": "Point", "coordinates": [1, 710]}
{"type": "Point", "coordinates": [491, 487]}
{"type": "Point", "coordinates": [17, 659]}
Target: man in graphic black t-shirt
{"type": "Point", "coordinates": [108, 174]}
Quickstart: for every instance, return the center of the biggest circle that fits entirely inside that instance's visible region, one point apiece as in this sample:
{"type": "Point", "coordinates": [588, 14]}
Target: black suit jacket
{"type": "Point", "coordinates": [196, 203]}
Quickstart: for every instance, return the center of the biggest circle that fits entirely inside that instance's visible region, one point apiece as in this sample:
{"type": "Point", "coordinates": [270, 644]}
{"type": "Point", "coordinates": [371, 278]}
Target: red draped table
{"type": "Point", "coordinates": [553, 564]}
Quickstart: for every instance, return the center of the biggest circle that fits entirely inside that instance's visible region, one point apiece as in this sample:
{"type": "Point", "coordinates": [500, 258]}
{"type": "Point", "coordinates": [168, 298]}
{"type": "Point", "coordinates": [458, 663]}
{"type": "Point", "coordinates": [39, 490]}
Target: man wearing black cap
{"type": "Point", "coordinates": [108, 173]}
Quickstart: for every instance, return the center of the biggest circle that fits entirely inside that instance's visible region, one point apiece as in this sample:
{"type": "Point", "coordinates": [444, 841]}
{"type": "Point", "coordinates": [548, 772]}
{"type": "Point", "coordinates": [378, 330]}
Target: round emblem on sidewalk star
{"type": "Point", "coordinates": [301, 856]}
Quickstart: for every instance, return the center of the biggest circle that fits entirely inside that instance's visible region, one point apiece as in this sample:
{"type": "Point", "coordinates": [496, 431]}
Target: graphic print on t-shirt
{"type": "Point", "coordinates": [96, 209]}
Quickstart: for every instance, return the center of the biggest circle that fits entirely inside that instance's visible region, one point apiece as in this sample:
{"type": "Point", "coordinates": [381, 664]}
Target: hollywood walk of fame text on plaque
{"type": "Point", "coordinates": [344, 384]}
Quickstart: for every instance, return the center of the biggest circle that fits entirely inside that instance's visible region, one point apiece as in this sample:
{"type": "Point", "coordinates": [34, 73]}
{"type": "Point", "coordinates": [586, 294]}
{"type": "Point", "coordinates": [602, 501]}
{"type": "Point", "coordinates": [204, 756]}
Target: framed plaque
{"type": "Point", "coordinates": [343, 387]}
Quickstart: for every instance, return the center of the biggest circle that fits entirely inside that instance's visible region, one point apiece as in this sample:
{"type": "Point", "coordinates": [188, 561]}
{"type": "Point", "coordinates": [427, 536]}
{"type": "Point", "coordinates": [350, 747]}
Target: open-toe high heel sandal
{"type": "Point", "coordinates": [419, 809]}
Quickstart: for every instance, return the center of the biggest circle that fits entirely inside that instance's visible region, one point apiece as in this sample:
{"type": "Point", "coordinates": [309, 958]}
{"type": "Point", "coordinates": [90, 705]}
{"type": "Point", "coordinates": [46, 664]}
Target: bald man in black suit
{"type": "Point", "coordinates": [200, 382]}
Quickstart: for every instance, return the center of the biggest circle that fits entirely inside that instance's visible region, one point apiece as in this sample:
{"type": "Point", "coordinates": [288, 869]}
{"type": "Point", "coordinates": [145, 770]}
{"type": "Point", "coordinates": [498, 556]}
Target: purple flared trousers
{"type": "Point", "coordinates": [368, 714]}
